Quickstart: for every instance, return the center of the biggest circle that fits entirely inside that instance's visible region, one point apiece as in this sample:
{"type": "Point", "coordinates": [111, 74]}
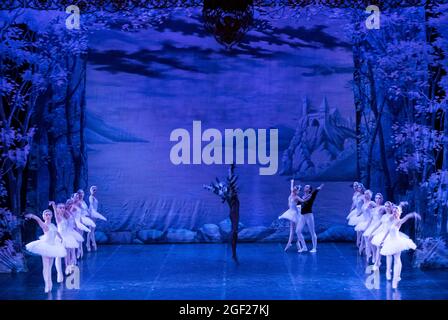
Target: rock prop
{"type": "Point", "coordinates": [253, 234]}
{"type": "Point", "coordinates": [121, 237]}
{"type": "Point", "coordinates": [210, 233]}
{"type": "Point", "coordinates": [181, 235]}
{"type": "Point", "coordinates": [150, 236]}
{"type": "Point", "coordinates": [101, 237]}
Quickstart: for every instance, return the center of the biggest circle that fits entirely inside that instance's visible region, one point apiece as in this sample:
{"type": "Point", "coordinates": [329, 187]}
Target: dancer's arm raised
{"type": "Point", "coordinates": [412, 215]}
{"type": "Point", "coordinates": [38, 220]}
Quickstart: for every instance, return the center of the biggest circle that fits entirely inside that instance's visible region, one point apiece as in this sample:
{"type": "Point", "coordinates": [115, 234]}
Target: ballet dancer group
{"type": "Point", "coordinates": [66, 240]}
{"type": "Point", "coordinates": [377, 227]}
{"type": "Point", "coordinates": [299, 214]}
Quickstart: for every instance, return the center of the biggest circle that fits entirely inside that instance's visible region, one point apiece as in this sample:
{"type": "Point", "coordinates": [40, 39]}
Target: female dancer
{"type": "Point", "coordinates": [356, 194]}
{"type": "Point", "coordinates": [307, 217]}
{"type": "Point", "coordinates": [363, 219]}
{"type": "Point", "coordinates": [394, 243]}
{"type": "Point", "coordinates": [72, 206]}
{"type": "Point", "coordinates": [359, 201]}
{"type": "Point", "coordinates": [292, 214]}
{"type": "Point", "coordinates": [85, 212]}
{"type": "Point", "coordinates": [379, 234]}
{"type": "Point", "coordinates": [94, 214]}
{"type": "Point", "coordinates": [47, 246]}
{"type": "Point", "coordinates": [71, 238]}
{"type": "Point", "coordinates": [374, 223]}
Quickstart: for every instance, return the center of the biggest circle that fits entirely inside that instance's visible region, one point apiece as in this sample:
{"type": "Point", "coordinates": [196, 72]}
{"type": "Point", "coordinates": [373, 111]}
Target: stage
{"type": "Point", "coordinates": [205, 271]}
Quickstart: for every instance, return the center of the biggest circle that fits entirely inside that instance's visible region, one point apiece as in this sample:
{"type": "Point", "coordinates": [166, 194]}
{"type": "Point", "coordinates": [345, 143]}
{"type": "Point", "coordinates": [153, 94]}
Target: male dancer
{"type": "Point", "coordinates": [307, 217]}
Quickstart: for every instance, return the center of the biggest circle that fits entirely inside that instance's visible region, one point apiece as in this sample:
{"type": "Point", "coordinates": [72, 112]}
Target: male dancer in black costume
{"type": "Point", "coordinates": [307, 217]}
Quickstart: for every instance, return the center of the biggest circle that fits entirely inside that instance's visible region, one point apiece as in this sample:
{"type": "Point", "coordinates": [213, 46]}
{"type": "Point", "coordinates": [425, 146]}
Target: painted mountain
{"type": "Point", "coordinates": [323, 145]}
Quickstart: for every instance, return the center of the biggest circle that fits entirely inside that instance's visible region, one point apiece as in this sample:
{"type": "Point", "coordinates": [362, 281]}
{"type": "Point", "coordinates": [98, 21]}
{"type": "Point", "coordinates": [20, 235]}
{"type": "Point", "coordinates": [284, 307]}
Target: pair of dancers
{"type": "Point", "coordinates": [66, 240]}
{"type": "Point", "coordinates": [299, 214]}
{"type": "Point", "coordinates": [377, 226]}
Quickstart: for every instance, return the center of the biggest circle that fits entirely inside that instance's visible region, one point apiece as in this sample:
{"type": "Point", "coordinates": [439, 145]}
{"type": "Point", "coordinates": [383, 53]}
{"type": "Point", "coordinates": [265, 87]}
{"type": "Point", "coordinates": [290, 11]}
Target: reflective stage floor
{"type": "Point", "coordinates": [205, 271]}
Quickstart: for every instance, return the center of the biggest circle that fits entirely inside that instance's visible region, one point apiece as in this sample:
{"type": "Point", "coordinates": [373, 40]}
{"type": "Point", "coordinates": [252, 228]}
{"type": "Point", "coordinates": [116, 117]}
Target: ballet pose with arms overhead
{"type": "Point", "coordinates": [292, 214]}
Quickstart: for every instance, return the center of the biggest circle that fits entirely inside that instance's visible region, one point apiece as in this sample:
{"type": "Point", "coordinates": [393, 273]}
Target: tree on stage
{"type": "Point", "coordinates": [228, 192]}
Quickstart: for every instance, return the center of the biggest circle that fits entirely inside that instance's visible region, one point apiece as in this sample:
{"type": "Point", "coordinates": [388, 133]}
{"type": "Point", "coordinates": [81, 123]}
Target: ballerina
{"type": "Point", "coordinates": [292, 214]}
{"type": "Point", "coordinates": [307, 217]}
{"type": "Point", "coordinates": [374, 223]}
{"type": "Point", "coordinates": [47, 246]}
{"type": "Point", "coordinates": [363, 219]}
{"type": "Point", "coordinates": [394, 242]}
{"type": "Point", "coordinates": [71, 238]}
{"type": "Point", "coordinates": [353, 216]}
{"type": "Point", "coordinates": [356, 194]}
{"type": "Point", "coordinates": [379, 234]}
{"type": "Point", "coordinates": [85, 213]}
{"type": "Point", "coordinates": [72, 206]}
{"type": "Point", "coordinates": [94, 214]}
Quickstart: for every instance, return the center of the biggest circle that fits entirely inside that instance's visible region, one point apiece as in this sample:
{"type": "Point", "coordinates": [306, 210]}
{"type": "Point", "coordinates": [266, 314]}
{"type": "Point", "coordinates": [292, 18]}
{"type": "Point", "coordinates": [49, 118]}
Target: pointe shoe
{"type": "Point", "coordinates": [60, 278]}
{"type": "Point", "coordinates": [395, 283]}
{"type": "Point", "coordinates": [67, 270]}
{"type": "Point", "coordinates": [88, 249]}
{"type": "Point", "coordinates": [47, 289]}
{"type": "Point", "coordinates": [314, 250]}
{"type": "Point", "coordinates": [374, 268]}
{"type": "Point", "coordinates": [94, 247]}
{"type": "Point", "coordinates": [388, 275]}
{"type": "Point", "coordinates": [288, 246]}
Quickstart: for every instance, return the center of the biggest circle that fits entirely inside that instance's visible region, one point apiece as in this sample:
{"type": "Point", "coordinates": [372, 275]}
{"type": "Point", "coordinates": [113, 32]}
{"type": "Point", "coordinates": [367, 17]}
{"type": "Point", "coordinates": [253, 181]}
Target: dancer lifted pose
{"type": "Point", "coordinates": [307, 217]}
{"type": "Point", "coordinates": [292, 214]}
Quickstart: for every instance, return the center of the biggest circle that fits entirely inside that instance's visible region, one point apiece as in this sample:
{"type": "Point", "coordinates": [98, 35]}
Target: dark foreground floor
{"type": "Point", "coordinates": [205, 271]}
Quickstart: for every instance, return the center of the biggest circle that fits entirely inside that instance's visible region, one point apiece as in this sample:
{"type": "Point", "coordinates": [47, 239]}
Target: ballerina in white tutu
{"type": "Point", "coordinates": [356, 194]}
{"type": "Point", "coordinates": [394, 242]}
{"type": "Point", "coordinates": [363, 219]}
{"type": "Point", "coordinates": [292, 214]}
{"type": "Point", "coordinates": [85, 219]}
{"type": "Point", "coordinates": [353, 216]}
{"type": "Point", "coordinates": [379, 234]}
{"type": "Point", "coordinates": [94, 214]}
{"type": "Point", "coordinates": [375, 221]}
{"type": "Point", "coordinates": [71, 238]}
{"type": "Point", "coordinates": [48, 247]}
{"type": "Point", "coordinates": [72, 205]}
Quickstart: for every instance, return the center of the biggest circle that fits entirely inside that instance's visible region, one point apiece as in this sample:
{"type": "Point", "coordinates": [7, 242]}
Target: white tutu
{"type": "Point", "coordinates": [362, 225]}
{"type": "Point", "coordinates": [352, 213]}
{"type": "Point", "coordinates": [396, 243]}
{"type": "Point", "coordinates": [45, 249]}
{"type": "Point", "coordinates": [368, 232]}
{"type": "Point", "coordinates": [96, 215]}
{"type": "Point", "coordinates": [47, 245]}
{"type": "Point", "coordinates": [291, 215]}
{"type": "Point", "coordinates": [87, 221]}
{"type": "Point", "coordinates": [355, 219]}
{"type": "Point", "coordinates": [378, 238]}
{"type": "Point", "coordinates": [71, 241]}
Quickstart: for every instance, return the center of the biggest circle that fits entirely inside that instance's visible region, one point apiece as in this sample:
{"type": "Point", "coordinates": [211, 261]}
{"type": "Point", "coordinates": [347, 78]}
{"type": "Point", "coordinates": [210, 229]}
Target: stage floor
{"type": "Point", "coordinates": [205, 271]}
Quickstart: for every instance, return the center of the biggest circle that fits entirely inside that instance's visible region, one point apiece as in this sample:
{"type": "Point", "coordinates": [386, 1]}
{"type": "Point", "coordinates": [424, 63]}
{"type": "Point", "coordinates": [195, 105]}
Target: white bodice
{"type": "Point", "coordinates": [50, 235]}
